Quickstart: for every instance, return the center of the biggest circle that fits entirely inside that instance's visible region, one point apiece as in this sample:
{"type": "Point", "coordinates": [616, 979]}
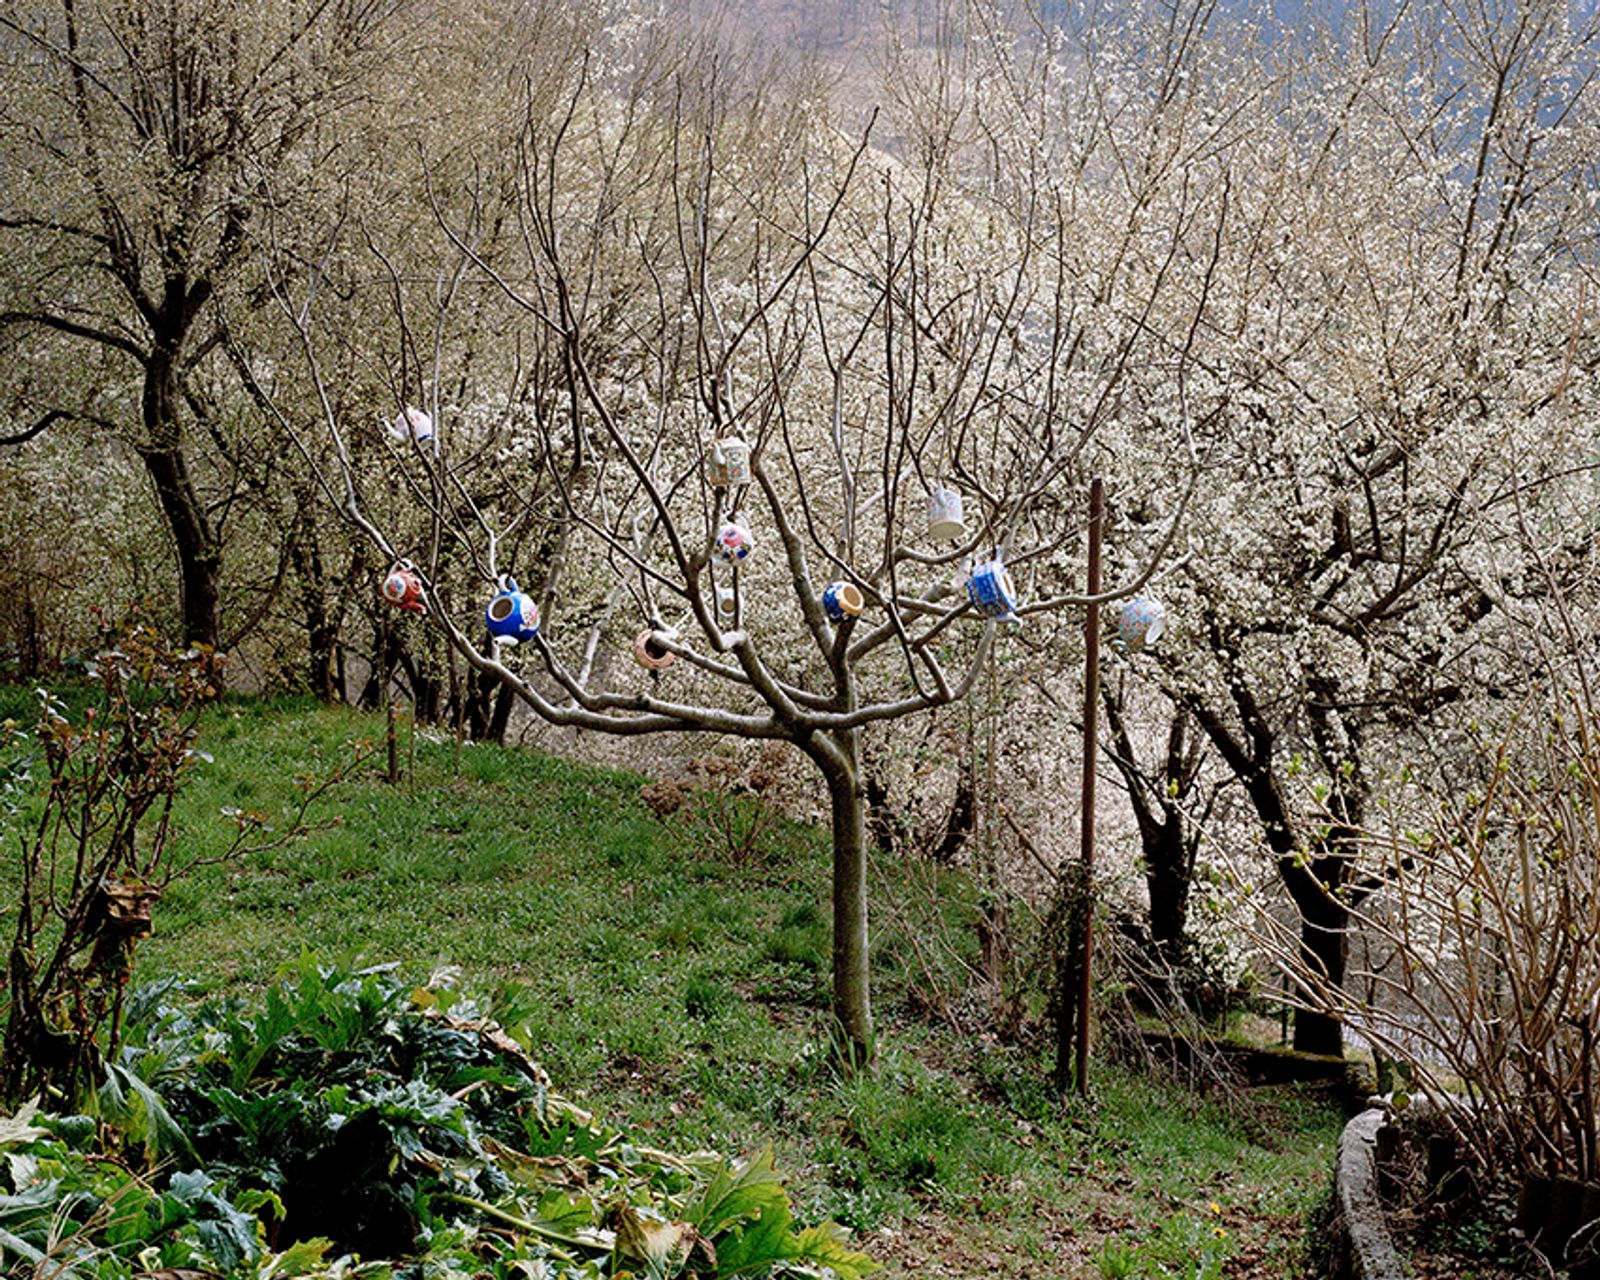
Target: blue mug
{"type": "Point", "coordinates": [511, 614]}
{"type": "Point", "coordinates": [989, 588]}
{"type": "Point", "coordinates": [841, 600]}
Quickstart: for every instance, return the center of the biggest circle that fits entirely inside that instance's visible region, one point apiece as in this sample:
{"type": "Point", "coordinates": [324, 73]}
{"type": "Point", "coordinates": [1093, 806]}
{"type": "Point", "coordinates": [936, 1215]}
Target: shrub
{"type": "Point", "coordinates": [1481, 968]}
{"type": "Point", "coordinates": [90, 803]}
{"type": "Point", "coordinates": [351, 1114]}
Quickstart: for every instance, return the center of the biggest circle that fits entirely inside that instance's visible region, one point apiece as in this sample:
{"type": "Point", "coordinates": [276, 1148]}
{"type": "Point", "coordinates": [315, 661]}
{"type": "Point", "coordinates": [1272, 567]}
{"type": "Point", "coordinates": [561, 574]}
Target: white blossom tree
{"type": "Point", "coordinates": [136, 140]}
{"type": "Point", "coordinates": [1403, 348]}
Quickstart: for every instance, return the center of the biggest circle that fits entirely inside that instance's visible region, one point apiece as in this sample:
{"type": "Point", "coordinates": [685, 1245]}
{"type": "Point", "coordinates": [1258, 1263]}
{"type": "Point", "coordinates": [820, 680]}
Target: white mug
{"type": "Point", "coordinates": [945, 517]}
{"type": "Point", "coordinates": [727, 606]}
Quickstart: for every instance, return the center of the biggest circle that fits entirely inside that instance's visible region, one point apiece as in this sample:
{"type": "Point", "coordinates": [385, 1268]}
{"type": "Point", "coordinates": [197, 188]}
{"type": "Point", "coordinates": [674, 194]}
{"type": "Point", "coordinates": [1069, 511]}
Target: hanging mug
{"type": "Point", "coordinates": [989, 587]}
{"type": "Point", "coordinates": [403, 588]}
{"type": "Point", "coordinates": [733, 542]}
{"type": "Point", "coordinates": [412, 423]}
{"type": "Point", "coordinates": [730, 463]}
{"type": "Point", "coordinates": [1141, 622]}
{"type": "Point", "coordinates": [650, 653]}
{"type": "Point", "coordinates": [511, 614]}
{"type": "Point", "coordinates": [841, 600]}
{"type": "Point", "coordinates": [727, 606]}
{"type": "Point", "coordinates": [945, 518]}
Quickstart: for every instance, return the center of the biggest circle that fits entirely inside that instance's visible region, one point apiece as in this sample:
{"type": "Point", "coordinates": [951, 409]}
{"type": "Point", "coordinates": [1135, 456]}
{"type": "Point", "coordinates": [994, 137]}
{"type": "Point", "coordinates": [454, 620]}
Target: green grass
{"type": "Point", "coordinates": [687, 996]}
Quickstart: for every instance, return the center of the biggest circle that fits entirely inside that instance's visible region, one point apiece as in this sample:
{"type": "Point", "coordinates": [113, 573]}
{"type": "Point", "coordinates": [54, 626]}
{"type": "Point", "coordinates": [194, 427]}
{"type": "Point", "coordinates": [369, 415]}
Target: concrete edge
{"type": "Point", "coordinates": [1366, 1251]}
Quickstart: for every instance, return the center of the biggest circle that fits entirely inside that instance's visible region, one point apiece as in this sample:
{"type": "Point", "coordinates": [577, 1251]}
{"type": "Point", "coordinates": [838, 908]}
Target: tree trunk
{"type": "Point", "coordinates": [852, 997]}
{"type": "Point", "coordinates": [199, 561]}
{"type": "Point", "coordinates": [1314, 884]}
{"type": "Point", "coordinates": [322, 631]}
{"type": "Point", "coordinates": [505, 700]}
{"type": "Point", "coordinates": [199, 556]}
{"type": "Point", "coordinates": [385, 656]}
{"type": "Point", "coordinates": [487, 710]}
{"type": "Point", "coordinates": [326, 679]}
{"type": "Point", "coordinates": [1167, 876]}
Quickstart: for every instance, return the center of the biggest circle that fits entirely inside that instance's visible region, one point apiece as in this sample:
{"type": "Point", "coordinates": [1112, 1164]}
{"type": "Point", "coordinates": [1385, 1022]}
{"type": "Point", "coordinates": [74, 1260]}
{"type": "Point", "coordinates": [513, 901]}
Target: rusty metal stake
{"type": "Point", "coordinates": [1091, 740]}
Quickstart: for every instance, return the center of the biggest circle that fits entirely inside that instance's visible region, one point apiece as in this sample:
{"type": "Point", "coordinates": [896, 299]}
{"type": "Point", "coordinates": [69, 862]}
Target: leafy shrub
{"type": "Point", "coordinates": [348, 1116]}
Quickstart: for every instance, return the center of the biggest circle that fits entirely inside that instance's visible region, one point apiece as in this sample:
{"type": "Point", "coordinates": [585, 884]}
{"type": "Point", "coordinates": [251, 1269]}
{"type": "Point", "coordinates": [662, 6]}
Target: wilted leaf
{"type": "Point", "coordinates": [661, 1245]}
{"type": "Point", "coordinates": [18, 1130]}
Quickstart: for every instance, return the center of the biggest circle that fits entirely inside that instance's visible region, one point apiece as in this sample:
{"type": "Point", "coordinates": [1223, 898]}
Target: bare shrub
{"type": "Point", "coordinates": [92, 802]}
{"type": "Point", "coordinates": [732, 803]}
{"type": "Point", "coordinates": [1483, 979]}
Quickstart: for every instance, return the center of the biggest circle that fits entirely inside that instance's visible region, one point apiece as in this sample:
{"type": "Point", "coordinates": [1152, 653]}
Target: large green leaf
{"type": "Point", "coordinates": [761, 1244]}
{"type": "Point", "coordinates": [824, 1248]}
{"type": "Point", "coordinates": [736, 1193]}
{"type": "Point", "coordinates": [227, 1233]}
{"type": "Point", "coordinates": [127, 1100]}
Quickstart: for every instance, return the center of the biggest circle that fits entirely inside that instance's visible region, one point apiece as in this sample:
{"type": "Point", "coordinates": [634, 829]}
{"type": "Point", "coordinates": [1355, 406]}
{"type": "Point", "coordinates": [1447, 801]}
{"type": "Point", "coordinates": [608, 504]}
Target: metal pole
{"type": "Point", "coordinates": [1091, 741]}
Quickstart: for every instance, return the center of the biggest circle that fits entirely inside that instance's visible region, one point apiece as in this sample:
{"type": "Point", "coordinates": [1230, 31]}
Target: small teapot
{"type": "Point", "coordinates": [733, 542]}
{"type": "Point", "coordinates": [989, 587]}
{"type": "Point", "coordinates": [511, 614]}
{"type": "Point", "coordinates": [1140, 623]}
{"type": "Point", "coordinates": [402, 587]}
{"type": "Point", "coordinates": [841, 600]}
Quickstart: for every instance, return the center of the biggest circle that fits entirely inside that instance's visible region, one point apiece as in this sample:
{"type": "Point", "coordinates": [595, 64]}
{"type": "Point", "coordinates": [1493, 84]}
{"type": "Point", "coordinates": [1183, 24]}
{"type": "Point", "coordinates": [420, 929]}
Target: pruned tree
{"type": "Point", "coordinates": [737, 326]}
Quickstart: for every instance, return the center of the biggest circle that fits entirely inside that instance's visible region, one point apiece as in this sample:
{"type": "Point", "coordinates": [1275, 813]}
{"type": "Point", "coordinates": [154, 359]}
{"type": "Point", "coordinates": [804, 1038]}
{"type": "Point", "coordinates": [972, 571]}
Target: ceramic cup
{"type": "Point", "coordinates": [989, 587]}
{"type": "Point", "coordinates": [1141, 622]}
{"type": "Point", "coordinates": [650, 653]}
{"type": "Point", "coordinates": [412, 423]}
{"type": "Point", "coordinates": [511, 614]}
{"type": "Point", "coordinates": [403, 588]}
{"type": "Point", "coordinates": [730, 463]}
{"type": "Point", "coordinates": [945, 520]}
{"type": "Point", "coordinates": [841, 600]}
{"type": "Point", "coordinates": [727, 607]}
{"type": "Point", "coordinates": [733, 542]}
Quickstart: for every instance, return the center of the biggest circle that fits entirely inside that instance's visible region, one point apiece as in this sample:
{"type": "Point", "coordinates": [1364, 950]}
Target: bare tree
{"type": "Point", "coordinates": [752, 329]}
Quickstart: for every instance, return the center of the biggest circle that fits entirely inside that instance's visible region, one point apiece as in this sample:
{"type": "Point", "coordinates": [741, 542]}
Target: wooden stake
{"type": "Point", "coordinates": [394, 748]}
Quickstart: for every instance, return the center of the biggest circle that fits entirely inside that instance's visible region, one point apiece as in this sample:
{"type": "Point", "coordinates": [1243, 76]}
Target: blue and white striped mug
{"type": "Point", "coordinates": [989, 587]}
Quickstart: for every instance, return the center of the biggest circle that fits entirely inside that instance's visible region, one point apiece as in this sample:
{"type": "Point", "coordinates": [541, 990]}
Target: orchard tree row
{"type": "Point", "coordinates": [671, 386]}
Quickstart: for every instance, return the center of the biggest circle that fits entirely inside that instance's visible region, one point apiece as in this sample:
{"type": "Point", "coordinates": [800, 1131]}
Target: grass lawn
{"type": "Point", "coordinates": [683, 993]}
